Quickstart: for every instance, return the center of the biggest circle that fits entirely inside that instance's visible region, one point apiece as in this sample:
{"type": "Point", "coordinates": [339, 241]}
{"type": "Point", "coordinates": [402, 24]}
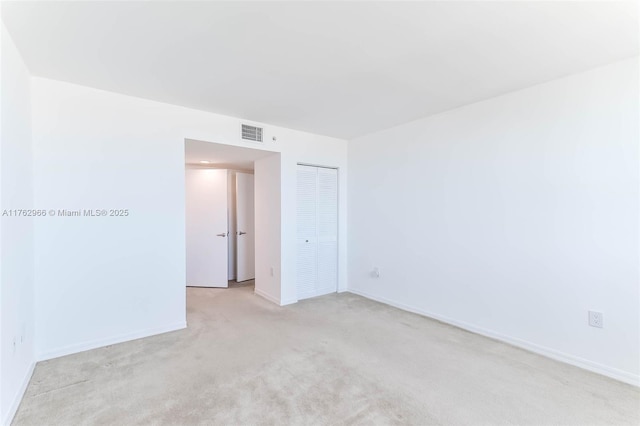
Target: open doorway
{"type": "Point", "coordinates": [220, 210]}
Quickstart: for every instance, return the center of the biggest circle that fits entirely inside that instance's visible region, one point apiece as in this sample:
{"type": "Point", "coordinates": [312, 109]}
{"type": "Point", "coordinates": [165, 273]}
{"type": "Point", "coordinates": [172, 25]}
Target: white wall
{"type": "Point", "coordinates": [16, 233]}
{"type": "Point", "coordinates": [512, 217]}
{"type": "Point", "coordinates": [102, 280]}
{"type": "Point", "coordinates": [268, 228]}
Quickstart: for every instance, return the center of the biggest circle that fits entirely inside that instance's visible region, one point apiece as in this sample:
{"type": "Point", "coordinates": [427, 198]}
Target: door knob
{"type": "Point", "coordinates": [241, 233]}
{"type": "Point", "coordinates": [222, 235]}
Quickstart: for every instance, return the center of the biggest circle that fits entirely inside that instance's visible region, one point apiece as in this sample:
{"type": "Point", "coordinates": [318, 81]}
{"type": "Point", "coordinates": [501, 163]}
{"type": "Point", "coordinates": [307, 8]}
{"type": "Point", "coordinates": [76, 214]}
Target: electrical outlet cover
{"type": "Point", "coordinates": [596, 319]}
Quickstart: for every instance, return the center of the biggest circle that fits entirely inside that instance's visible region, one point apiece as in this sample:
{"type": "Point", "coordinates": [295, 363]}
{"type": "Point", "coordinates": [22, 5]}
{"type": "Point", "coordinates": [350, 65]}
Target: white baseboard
{"type": "Point", "coordinates": [267, 296]}
{"type": "Point", "coordinates": [614, 373]}
{"type": "Point", "coordinates": [94, 344]}
{"type": "Point", "coordinates": [17, 399]}
{"type": "Point", "coordinates": [273, 299]}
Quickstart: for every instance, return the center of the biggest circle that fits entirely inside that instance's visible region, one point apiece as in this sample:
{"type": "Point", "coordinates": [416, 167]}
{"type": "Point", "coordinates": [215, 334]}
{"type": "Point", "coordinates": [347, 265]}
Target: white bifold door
{"type": "Point", "coordinates": [245, 243]}
{"type": "Point", "coordinates": [317, 214]}
{"type": "Point", "coordinates": [206, 228]}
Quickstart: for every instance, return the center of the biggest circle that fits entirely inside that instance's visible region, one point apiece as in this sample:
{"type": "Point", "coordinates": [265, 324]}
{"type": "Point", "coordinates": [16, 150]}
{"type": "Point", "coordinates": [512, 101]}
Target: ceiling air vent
{"type": "Point", "coordinates": [251, 133]}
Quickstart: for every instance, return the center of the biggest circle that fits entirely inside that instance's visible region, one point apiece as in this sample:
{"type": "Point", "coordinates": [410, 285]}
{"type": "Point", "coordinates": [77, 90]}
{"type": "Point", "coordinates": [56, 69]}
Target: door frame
{"type": "Point", "coordinates": [233, 162]}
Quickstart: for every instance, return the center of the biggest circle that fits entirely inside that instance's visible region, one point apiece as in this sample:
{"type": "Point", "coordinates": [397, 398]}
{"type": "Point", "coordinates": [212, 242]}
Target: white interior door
{"type": "Point", "coordinates": [317, 217]}
{"type": "Point", "coordinates": [206, 227]}
{"type": "Point", "coordinates": [245, 223]}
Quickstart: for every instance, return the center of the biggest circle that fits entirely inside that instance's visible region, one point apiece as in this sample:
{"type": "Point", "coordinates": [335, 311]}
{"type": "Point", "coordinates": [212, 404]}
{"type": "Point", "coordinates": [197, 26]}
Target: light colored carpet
{"type": "Point", "coordinates": [337, 359]}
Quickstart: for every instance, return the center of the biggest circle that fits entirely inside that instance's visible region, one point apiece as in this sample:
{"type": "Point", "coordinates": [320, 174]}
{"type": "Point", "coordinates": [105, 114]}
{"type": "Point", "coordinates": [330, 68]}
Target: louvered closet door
{"type": "Point", "coordinates": [327, 281]}
{"type": "Point", "coordinates": [317, 268]}
{"type": "Point", "coordinates": [307, 231]}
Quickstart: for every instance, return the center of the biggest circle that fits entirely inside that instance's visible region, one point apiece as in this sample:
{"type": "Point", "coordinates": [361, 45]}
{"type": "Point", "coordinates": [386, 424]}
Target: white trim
{"type": "Point", "coordinates": [94, 344]}
{"type": "Point", "coordinates": [17, 399]}
{"type": "Point", "coordinates": [267, 296]}
{"type": "Point", "coordinates": [274, 299]}
{"type": "Point", "coordinates": [321, 167]}
{"type": "Point", "coordinates": [614, 373]}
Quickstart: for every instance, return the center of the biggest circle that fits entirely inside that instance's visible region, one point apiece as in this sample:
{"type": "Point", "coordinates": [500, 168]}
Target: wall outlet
{"type": "Point", "coordinates": [596, 319]}
{"type": "Point", "coordinates": [271, 271]}
{"type": "Point", "coordinates": [376, 272]}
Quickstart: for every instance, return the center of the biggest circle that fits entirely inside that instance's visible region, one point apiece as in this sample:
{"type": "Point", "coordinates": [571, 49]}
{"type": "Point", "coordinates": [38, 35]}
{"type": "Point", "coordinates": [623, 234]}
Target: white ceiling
{"type": "Point", "coordinates": [336, 68]}
{"type": "Point", "coordinates": [221, 155]}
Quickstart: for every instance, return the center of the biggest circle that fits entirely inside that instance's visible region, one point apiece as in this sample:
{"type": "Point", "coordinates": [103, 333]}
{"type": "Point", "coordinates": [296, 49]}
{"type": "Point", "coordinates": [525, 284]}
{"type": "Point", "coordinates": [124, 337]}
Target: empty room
{"type": "Point", "coordinates": [319, 213]}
